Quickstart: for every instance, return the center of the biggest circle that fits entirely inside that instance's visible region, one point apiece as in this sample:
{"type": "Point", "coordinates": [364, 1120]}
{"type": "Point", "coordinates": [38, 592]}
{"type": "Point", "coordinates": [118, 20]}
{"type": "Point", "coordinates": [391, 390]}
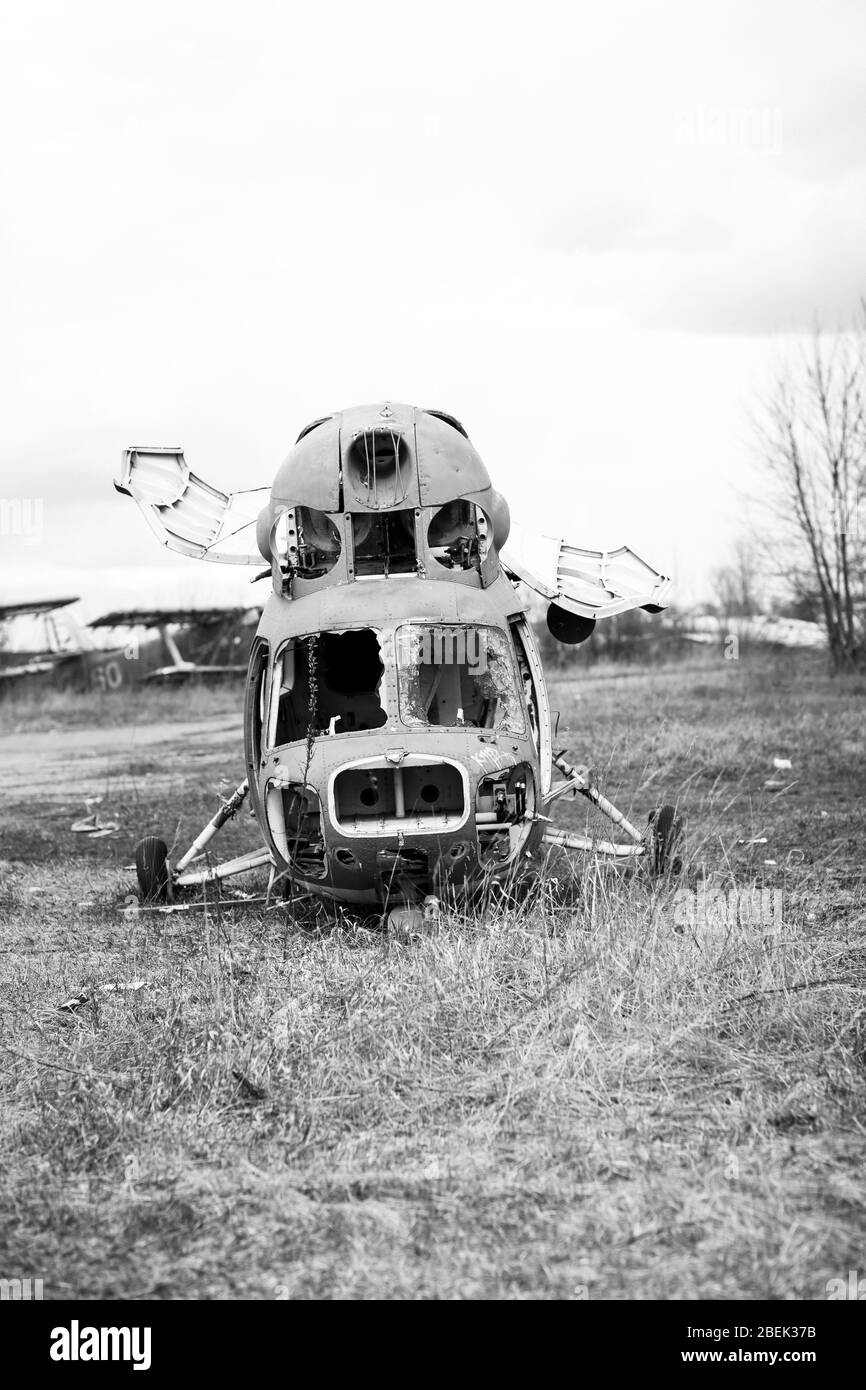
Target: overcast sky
{"type": "Point", "coordinates": [590, 231]}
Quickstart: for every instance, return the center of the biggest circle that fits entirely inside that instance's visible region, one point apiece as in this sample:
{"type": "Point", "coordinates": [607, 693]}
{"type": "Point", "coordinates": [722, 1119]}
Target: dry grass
{"type": "Point", "coordinates": [572, 1099]}
{"type": "Point", "coordinates": [45, 708]}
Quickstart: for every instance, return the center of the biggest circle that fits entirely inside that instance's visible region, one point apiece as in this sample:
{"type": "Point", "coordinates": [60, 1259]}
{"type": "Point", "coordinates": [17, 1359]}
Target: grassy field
{"type": "Point", "coordinates": [616, 1091]}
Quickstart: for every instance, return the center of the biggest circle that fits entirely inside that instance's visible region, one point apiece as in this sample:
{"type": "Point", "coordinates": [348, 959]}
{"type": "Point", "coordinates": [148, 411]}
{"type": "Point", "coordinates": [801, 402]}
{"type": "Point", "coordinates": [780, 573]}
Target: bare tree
{"type": "Point", "coordinates": [736, 590]}
{"type": "Point", "coordinates": [813, 439]}
{"type": "Point", "coordinates": [736, 584]}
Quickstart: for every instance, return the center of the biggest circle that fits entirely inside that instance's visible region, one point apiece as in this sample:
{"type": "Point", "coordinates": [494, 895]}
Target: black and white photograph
{"type": "Point", "coordinates": [433, 667]}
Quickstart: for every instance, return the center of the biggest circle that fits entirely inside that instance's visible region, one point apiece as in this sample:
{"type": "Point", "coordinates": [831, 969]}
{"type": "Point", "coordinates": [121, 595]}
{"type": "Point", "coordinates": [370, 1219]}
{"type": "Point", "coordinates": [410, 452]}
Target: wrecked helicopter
{"type": "Point", "coordinates": [398, 735]}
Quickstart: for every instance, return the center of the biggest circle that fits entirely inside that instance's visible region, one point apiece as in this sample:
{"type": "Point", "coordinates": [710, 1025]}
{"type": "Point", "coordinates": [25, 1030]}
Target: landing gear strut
{"type": "Point", "coordinates": [157, 879]}
{"type": "Point", "coordinates": [656, 846]}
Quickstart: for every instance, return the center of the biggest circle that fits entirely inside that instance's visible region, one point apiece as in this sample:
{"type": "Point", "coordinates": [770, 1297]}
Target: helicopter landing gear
{"type": "Point", "coordinates": [657, 845]}
{"type": "Point", "coordinates": [158, 879]}
{"type": "Point", "coordinates": [151, 867]}
{"type": "Point", "coordinates": [664, 838]}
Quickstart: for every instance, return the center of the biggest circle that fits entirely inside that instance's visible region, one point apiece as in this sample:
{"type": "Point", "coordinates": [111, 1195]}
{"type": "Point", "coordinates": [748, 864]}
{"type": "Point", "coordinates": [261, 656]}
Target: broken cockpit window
{"type": "Point", "coordinates": [457, 675]}
{"type": "Point", "coordinates": [327, 683]}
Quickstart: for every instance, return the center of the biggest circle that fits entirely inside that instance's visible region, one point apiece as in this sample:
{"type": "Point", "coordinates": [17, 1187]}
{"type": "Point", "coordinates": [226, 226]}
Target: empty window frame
{"type": "Point", "coordinates": [384, 542]}
{"type": "Point", "coordinates": [326, 683]}
{"type": "Point", "coordinates": [457, 535]}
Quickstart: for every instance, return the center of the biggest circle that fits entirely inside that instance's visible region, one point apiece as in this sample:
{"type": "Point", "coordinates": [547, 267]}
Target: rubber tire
{"type": "Point", "coordinates": [666, 830]}
{"type": "Point", "coordinates": [151, 868]}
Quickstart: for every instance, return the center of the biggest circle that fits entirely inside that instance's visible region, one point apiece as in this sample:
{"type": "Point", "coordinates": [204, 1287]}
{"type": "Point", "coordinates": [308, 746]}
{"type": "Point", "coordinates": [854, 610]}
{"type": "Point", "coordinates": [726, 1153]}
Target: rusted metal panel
{"type": "Point", "coordinates": [377, 456]}
{"type": "Point", "coordinates": [370, 602]}
{"type": "Point", "coordinates": [448, 465]}
{"type": "Point", "coordinates": [591, 583]}
{"type": "Point", "coordinates": [310, 475]}
{"type": "Point", "coordinates": [187, 514]}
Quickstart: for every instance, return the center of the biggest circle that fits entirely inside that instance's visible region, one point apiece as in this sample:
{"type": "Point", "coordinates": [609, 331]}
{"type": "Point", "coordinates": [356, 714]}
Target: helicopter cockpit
{"type": "Point", "coordinates": [413, 675]}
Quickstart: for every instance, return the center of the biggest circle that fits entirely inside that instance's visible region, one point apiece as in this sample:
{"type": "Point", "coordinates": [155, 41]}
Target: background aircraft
{"type": "Point", "coordinates": [42, 642]}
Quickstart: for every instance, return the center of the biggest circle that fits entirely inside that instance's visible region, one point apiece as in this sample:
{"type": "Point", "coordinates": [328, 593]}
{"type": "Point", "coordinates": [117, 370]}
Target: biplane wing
{"type": "Point", "coordinates": [33, 608]}
{"type": "Point", "coordinates": [188, 515]}
{"type": "Point", "coordinates": [161, 617]}
{"type": "Point", "coordinates": [591, 583]}
{"type": "Point", "coordinates": [51, 652]}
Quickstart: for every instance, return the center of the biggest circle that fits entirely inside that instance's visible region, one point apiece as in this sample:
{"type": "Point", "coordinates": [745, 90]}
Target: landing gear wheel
{"type": "Point", "coordinates": [152, 870]}
{"type": "Point", "coordinates": [665, 836]}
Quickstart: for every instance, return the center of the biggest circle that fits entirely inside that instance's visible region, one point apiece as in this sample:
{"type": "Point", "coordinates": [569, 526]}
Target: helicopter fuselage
{"type": "Point", "coordinates": [397, 737]}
